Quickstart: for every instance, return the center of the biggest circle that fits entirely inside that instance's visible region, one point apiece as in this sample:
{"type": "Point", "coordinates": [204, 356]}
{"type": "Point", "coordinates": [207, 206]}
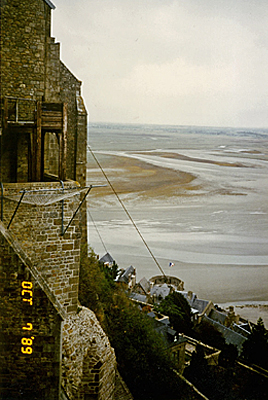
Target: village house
{"type": "Point", "coordinates": [233, 329]}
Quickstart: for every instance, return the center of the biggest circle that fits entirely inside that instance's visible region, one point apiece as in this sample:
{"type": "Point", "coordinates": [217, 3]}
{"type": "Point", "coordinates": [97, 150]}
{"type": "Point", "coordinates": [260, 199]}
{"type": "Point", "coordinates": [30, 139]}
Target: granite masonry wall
{"type": "Point", "coordinates": [79, 357]}
{"type": "Point", "coordinates": [39, 266]}
{"type": "Point", "coordinates": [39, 228]}
{"type": "Point", "coordinates": [23, 47]}
{"type": "Point", "coordinates": [30, 335]}
{"type": "Point", "coordinates": [89, 364]}
{"type": "Point", "coordinates": [31, 69]}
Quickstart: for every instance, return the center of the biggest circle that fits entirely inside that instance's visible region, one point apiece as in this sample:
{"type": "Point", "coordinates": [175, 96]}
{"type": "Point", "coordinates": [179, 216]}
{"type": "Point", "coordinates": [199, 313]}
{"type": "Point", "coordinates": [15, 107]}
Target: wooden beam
{"type": "Point", "coordinates": [59, 136]}
{"type": "Point", "coordinates": [5, 114]}
{"type": "Point", "coordinates": [33, 151]}
{"type": "Point", "coordinates": [38, 154]}
{"type": "Point", "coordinates": [64, 141]}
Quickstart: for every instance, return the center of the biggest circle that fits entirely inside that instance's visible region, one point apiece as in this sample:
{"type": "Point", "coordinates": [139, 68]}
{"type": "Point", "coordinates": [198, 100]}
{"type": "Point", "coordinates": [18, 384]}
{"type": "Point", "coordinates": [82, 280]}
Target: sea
{"type": "Point", "coordinates": [213, 234]}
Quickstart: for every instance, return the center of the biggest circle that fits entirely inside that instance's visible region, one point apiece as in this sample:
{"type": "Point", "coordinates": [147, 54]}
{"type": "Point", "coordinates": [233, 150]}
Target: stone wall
{"type": "Point", "coordinates": [39, 228]}
{"type": "Point", "coordinates": [50, 263]}
{"type": "Point", "coordinates": [33, 251]}
{"type": "Point", "coordinates": [31, 69]}
{"type": "Point", "coordinates": [52, 65]}
{"type": "Point", "coordinates": [69, 87]}
{"type": "Point", "coordinates": [169, 280]}
{"type": "Point", "coordinates": [23, 46]}
{"type": "Point", "coordinates": [89, 364]}
{"type": "Point", "coordinates": [51, 159]}
{"type": "Point", "coordinates": [30, 331]}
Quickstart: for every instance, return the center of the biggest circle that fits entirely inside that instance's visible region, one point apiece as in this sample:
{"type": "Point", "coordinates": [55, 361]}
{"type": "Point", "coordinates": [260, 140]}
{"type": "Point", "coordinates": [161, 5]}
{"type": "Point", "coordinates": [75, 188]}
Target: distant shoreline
{"type": "Point", "coordinates": [251, 311]}
{"type": "Point", "coordinates": [130, 175]}
{"type": "Point", "coordinates": [200, 202]}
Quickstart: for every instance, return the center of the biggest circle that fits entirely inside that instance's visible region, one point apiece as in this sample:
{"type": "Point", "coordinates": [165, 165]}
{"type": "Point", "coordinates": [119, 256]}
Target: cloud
{"type": "Point", "coordinates": [145, 60]}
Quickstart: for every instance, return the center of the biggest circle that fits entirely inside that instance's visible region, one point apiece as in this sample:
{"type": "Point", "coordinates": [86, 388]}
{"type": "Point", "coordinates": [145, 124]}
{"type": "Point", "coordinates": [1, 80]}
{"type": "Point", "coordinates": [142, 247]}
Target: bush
{"type": "Point", "coordinates": [143, 360]}
{"type": "Point", "coordinates": [95, 289]}
{"type": "Point", "coordinates": [207, 333]}
{"type": "Point", "coordinates": [177, 308]}
{"type": "Point", "coordinates": [255, 348]}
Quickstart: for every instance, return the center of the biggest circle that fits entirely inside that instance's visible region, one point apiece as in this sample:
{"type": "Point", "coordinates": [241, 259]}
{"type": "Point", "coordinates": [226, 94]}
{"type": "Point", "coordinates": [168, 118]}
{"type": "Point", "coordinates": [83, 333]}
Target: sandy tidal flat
{"type": "Point", "coordinates": [200, 201]}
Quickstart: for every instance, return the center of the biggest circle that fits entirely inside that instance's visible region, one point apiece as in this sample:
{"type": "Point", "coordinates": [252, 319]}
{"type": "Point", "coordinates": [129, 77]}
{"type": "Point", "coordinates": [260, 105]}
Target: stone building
{"type": "Point", "coordinates": [43, 115]}
{"type": "Point", "coordinates": [43, 220]}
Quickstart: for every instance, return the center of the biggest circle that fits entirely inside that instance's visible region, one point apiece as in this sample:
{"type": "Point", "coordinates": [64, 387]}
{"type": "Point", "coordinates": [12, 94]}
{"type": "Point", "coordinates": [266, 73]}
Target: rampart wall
{"type": "Point", "coordinates": [39, 266]}
{"type": "Point", "coordinates": [30, 335]}
{"type": "Point", "coordinates": [39, 228]}
{"type": "Point", "coordinates": [89, 363]}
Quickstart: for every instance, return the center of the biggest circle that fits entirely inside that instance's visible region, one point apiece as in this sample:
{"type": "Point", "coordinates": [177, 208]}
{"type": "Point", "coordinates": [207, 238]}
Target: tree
{"type": "Point", "coordinates": [95, 287]}
{"type": "Point", "coordinates": [207, 333]}
{"type": "Point", "coordinates": [142, 357]}
{"type": "Point", "coordinates": [177, 308]}
{"type": "Point", "coordinates": [198, 372]}
{"type": "Point", "coordinates": [255, 348]}
{"type": "Point", "coordinates": [228, 355]}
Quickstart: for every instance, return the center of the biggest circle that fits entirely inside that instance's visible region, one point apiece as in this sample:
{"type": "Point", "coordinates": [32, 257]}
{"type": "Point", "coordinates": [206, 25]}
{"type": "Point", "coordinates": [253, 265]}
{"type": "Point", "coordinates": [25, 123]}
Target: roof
{"type": "Point", "coordinates": [107, 258]}
{"type": "Point", "coordinates": [218, 316]}
{"type": "Point", "coordinates": [165, 331]}
{"type": "Point", "coordinates": [126, 275]}
{"type": "Point", "coordinates": [50, 4]}
{"type": "Point", "coordinates": [145, 285]}
{"type": "Point", "coordinates": [160, 290]}
{"type": "Point", "coordinates": [230, 336]}
{"type": "Point", "coordinates": [138, 297]}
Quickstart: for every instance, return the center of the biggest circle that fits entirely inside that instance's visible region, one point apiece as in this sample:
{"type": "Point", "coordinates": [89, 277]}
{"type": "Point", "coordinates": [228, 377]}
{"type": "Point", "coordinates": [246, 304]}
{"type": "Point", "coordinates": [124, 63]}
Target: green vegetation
{"type": "Point", "coordinates": [142, 357]}
{"type": "Point", "coordinates": [178, 310]}
{"type": "Point", "coordinates": [143, 360]}
{"type": "Point", "coordinates": [255, 349]}
{"type": "Point", "coordinates": [208, 334]}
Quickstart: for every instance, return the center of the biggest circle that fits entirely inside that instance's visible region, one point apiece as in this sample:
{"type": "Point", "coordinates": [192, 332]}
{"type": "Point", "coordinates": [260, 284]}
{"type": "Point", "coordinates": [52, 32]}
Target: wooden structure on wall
{"type": "Point", "coordinates": [35, 119]}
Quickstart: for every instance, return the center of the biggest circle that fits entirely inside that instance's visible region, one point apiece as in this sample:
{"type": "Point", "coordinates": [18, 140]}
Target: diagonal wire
{"type": "Point", "coordinates": [98, 232]}
{"type": "Point", "coordinates": [126, 211]}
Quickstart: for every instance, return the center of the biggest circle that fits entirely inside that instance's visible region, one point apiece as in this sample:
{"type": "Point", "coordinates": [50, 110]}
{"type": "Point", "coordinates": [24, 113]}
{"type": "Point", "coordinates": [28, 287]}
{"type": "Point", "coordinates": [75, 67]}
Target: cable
{"type": "Point", "coordinates": [98, 232]}
{"type": "Point", "coordinates": [126, 211]}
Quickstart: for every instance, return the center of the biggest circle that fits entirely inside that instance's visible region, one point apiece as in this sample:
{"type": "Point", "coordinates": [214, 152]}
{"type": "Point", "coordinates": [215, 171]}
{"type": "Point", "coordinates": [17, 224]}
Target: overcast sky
{"type": "Point", "coordinates": [185, 62]}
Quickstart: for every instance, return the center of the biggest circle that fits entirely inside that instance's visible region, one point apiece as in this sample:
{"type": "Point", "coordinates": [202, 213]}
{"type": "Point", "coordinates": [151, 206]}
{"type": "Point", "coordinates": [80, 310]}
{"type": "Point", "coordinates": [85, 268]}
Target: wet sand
{"type": "Point", "coordinates": [129, 175]}
{"type": "Point", "coordinates": [177, 156]}
{"type": "Point", "coordinates": [139, 183]}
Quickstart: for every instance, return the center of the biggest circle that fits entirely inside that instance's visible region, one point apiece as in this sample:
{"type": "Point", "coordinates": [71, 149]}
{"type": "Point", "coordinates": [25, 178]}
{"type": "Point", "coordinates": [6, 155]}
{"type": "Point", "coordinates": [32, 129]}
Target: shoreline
{"type": "Point", "coordinates": [132, 176]}
{"type": "Point", "coordinates": [142, 185]}
{"type": "Point", "coordinates": [250, 310]}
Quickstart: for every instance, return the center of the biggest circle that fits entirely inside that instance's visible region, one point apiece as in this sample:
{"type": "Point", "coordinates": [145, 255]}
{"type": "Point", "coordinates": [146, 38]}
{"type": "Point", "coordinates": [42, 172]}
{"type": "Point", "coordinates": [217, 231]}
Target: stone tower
{"type": "Point", "coordinates": [43, 221]}
{"type": "Point", "coordinates": [50, 347]}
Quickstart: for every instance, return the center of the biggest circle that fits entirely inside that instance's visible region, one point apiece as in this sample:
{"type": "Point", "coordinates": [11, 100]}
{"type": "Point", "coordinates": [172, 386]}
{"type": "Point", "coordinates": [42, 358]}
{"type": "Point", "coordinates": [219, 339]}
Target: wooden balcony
{"type": "Point", "coordinates": [38, 118]}
{"type": "Point", "coordinates": [52, 116]}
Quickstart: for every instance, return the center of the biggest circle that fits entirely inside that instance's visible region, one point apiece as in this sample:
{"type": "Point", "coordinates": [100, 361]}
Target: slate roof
{"type": "Point", "coordinates": [107, 258]}
{"type": "Point", "coordinates": [124, 277]}
{"type": "Point", "coordinates": [218, 316]}
{"type": "Point", "coordinates": [198, 304]}
{"type": "Point", "coordinates": [138, 297]}
{"type": "Point", "coordinates": [230, 336]}
{"type": "Point", "coordinates": [242, 329]}
{"type": "Point", "coordinates": [145, 285]}
{"type": "Point", "coordinates": [50, 4]}
{"type": "Point", "coordinates": [160, 290]}
{"type": "Point", "coordinates": [163, 329]}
